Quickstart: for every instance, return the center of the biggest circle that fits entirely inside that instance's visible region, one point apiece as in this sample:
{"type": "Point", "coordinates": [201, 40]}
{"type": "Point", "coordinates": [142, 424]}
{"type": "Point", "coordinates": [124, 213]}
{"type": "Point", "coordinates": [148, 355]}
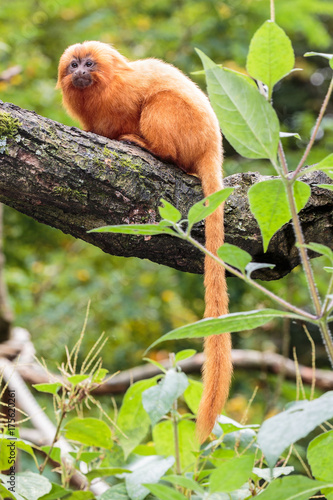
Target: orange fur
{"type": "Point", "coordinates": [156, 106]}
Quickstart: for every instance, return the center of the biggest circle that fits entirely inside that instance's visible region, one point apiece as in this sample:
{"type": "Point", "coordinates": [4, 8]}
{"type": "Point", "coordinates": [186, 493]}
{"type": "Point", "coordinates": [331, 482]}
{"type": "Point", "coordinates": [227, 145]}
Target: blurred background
{"type": "Point", "coordinates": [51, 276]}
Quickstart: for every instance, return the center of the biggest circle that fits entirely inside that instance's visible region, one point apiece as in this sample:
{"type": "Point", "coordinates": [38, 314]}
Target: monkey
{"type": "Point", "coordinates": [156, 106]}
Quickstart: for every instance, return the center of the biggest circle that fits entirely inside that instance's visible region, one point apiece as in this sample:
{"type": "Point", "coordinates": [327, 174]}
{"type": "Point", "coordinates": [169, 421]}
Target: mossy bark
{"type": "Point", "coordinates": [76, 181]}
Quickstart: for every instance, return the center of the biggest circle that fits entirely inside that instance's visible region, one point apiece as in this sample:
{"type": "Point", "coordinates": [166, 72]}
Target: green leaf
{"type": "Point", "coordinates": [4, 493]}
{"type": "Point", "coordinates": [229, 425]}
{"type": "Point", "coordinates": [280, 431]}
{"type": "Point", "coordinates": [290, 134]}
{"type": "Point", "coordinates": [86, 456]}
{"type": "Point", "coordinates": [324, 165]}
{"type": "Point", "coordinates": [326, 186]}
{"type": "Point", "coordinates": [247, 120]}
{"type": "Point", "coordinates": [25, 446]}
{"type": "Point", "coordinates": [185, 354]}
{"type": "Point", "coordinates": [163, 436]}
{"type": "Point", "coordinates": [145, 449]}
{"type": "Point", "coordinates": [322, 249]}
{"type": "Point", "coordinates": [169, 212]}
{"type": "Point", "coordinates": [89, 431]}
{"type": "Point", "coordinates": [105, 472]}
{"type": "Point", "coordinates": [302, 193]}
{"type": "Point", "coordinates": [193, 395]}
{"type": "Point", "coordinates": [321, 54]}
{"type": "Point", "coordinates": [76, 379]}
{"type": "Point", "coordinates": [185, 482]}
{"type": "Point", "coordinates": [233, 322]}
{"type": "Point", "coordinates": [234, 256]}
{"type": "Point", "coordinates": [99, 376]}
{"type": "Point", "coordinates": [163, 492]}
{"type": "Point", "coordinates": [82, 495]}
{"type": "Point", "coordinates": [244, 440]}
{"type": "Point", "coordinates": [49, 388]}
{"type": "Point", "coordinates": [158, 400]}
{"type": "Point", "coordinates": [242, 75]}
{"type": "Point", "coordinates": [246, 77]}
{"type": "Point", "coordinates": [8, 452]}
{"type": "Point", "coordinates": [156, 363]}
{"type": "Point", "coordinates": [207, 206]}
{"type": "Point", "coordinates": [255, 266]}
{"type": "Point", "coordinates": [231, 475]}
{"type": "Point", "coordinates": [320, 456]}
{"type": "Point", "coordinates": [291, 488]}
{"type": "Point", "coordinates": [271, 474]}
{"type": "Point", "coordinates": [133, 420]}
{"type": "Point", "coordinates": [30, 485]}
{"type": "Point", "coordinates": [269, 204]}
{"type": "Point", "coordinates": [56, 492]}
{"type": "Point", "coordinates": [219, 456]}
{"type": "Point", "coordinates": [55, 452]}
{"type": "Point", "coordinates": [136, 229]}
{"type": "Point", "coordinates": [151, 471]}
{"type": "Point", "coordinates": [271, 56]}
{"type": "Point", "coordinates": [117, 492]}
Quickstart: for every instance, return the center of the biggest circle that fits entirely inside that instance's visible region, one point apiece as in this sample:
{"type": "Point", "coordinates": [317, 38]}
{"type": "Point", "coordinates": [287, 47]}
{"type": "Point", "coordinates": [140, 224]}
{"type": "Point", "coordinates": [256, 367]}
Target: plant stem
{"type": "Point", "coordinates": [275, 298]}
{"type": "Point", "coordinates": [302, 250]}
{"type": "Point", "coordinates": [176, 438]}
{"type": "Point", "coordinates": [315, 129]}
{"type": "Point", "coordinates": [327, 339]}
{"type": "Point", "coordinates": [272, 11]}
{"type": "Point", "coordinates": [174, 417]}
{"type": "Point", "coordinates": [55, 439]}
{"type": "Point", "coordinates": [289, 185]}
{"type": "Point", "coordinates": [327, 298]}
{"type": "Point", "coordinates": [313, 361]}
{"type": "Point", "coordinates": [283, 160]}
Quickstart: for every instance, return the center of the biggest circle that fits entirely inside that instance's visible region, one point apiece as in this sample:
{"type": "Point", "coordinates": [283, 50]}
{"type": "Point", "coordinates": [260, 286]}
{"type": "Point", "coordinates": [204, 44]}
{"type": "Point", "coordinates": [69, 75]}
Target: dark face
{"type": "Point", "coordinates": [81, 70]}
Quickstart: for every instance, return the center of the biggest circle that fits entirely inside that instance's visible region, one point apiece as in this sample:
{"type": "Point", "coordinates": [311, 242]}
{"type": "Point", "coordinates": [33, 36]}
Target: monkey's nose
{"type": "Point", "coordinates": [81, 79]}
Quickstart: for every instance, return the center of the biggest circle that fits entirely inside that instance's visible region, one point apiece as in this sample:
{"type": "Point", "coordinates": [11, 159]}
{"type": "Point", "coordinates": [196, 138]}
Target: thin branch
{"type": "Point", "coordinates": [242, 360]}
{"type": "Point", "coordinates": [272, 11]}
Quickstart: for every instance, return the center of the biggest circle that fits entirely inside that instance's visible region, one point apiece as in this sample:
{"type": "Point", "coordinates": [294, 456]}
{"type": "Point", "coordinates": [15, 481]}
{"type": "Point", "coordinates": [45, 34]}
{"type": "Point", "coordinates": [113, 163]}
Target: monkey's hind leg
{"type": "Point", "coordinates": [135, 139]}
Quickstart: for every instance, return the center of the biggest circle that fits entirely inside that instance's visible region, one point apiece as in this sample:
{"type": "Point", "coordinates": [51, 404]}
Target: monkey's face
{"type": "Point", "coordinates": [81, 70]}
{"type": "Point", "coordinates": [89, 65]}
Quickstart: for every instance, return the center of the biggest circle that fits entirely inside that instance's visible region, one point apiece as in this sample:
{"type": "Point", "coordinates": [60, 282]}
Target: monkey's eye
{"type": "Point", "coordinates": [89, 64]}
{"type": "Point", "coordinates": [74, 64]}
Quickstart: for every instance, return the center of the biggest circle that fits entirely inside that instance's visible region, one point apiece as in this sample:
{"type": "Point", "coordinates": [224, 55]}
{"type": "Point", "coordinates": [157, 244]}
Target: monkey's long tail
{"type": "Point", "coordinates": [217, 369]}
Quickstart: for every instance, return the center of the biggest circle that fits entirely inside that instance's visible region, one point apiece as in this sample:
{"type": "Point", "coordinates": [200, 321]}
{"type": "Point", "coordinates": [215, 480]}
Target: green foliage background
{"type": "Point", "coordinates": [51, 276]}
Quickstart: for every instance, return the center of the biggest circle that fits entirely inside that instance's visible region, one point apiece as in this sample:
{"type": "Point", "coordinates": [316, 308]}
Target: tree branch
{"type": "Point", "coordinates": [76, 181]}
{"type": "Point", "coordinates": [242, 359]}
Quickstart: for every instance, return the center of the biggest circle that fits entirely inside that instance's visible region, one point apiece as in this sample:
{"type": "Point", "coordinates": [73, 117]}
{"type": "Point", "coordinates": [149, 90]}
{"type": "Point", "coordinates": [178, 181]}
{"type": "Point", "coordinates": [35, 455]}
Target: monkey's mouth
{"type": "Point", "coordinates": [81, 82]}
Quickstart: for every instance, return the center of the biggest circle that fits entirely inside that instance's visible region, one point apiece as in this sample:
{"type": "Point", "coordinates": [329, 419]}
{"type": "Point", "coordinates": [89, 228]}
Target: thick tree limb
{"type": "Point", "coordinates": [76, 181]}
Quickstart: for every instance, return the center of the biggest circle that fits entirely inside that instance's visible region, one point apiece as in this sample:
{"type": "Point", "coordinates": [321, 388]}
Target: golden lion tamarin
{"type": "Point", "coordinates": [155, 106]}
